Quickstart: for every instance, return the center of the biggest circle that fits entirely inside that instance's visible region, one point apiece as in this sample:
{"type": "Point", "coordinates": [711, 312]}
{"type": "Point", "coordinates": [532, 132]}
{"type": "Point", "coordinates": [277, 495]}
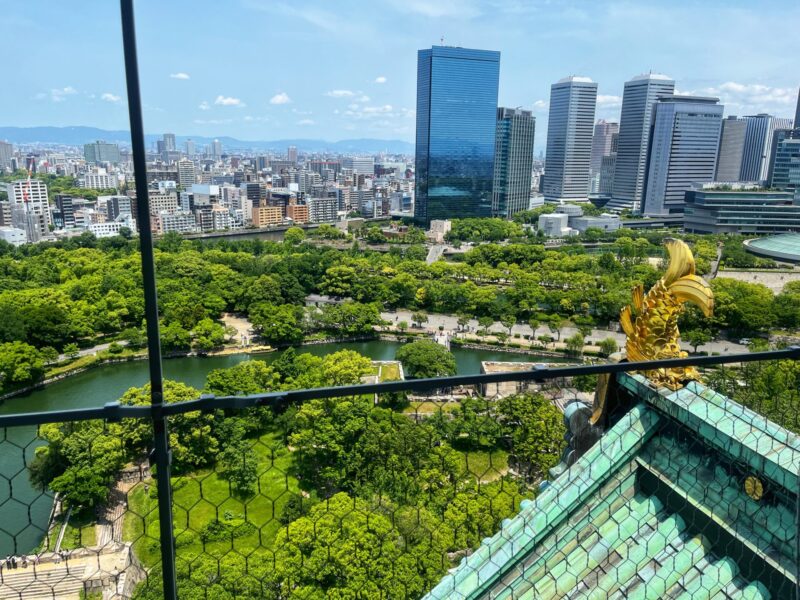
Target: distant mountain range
{"type": "Point", "coordinates": [79, 135]}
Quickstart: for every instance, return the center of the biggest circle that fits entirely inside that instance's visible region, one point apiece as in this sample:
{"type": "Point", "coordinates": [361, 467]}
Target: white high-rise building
{"type": "Point", "coordinates": [190, 148]}
{"type": "Point", "coordinates": [361, 165]}
{"type": "Point", "coordinates": [99, 180]}
{"type": "Point", "coordinates": [186, 173]}
{"type": "Point", "coordinates": [758, 145]}
{"type": "Point", "coordinates": [569, 139]}
{"type": "Point", "coordinates": [30, 209]}
{"type": "Point", "coordinates": [638, 99]}
{"type": "Point", "coordinates": [683, 150]}
{"type": "Point", "coordinates": [216, 149]}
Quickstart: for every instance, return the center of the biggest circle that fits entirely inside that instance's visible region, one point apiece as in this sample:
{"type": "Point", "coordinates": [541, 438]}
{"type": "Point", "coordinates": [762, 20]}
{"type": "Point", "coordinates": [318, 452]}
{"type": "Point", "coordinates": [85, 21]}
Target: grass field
{"type": "Point", "coordinates": [80, 531]}
{"type": "Point", "coordinates": [204, 496]}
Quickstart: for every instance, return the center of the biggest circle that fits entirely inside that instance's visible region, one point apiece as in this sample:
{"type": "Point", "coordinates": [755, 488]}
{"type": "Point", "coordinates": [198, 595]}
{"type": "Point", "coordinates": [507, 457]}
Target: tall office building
{"type": "Point", "coordinates": [216, 149]}
{"type": "Point", "coordinates": [569, 139]}
{"type": "Point", "coordinates": [360, 165]}
{"type": "Point", "coordinates": [601, 146]}
{"type": "Point", "coordinates": [683, 150]}
{"type": "Point", "coordinates": [638, 98]}
{"type": "Point", "coordinates": [186, 173]}
{"type": "Point", "coordinates": [100, 152]}
{"type": "Point", "coordinates": [785, 169]}
{"type": "Point", "coordinates": [169, 142]}
{"type": "Point", "coordinates": [6, 154]}
{"type": "Point", "coordinates": [731, 149]}
{"type": "Point", "coordinates": [797, 112]}
{"type": "Point", "coordinates": [65, 210]}
{"type": "Point", "coordinates": [607, 165]}
{"type": "Point", "coordinates": [513, 161]}
{"type": "Point", "coordinates": [758, 145]}
{"type": "Point", "coordinates": [291, 154]}
{"type": "Point", "coordinates": [456, 122]}
{"type": "Point", "coordinates": [190, 148]}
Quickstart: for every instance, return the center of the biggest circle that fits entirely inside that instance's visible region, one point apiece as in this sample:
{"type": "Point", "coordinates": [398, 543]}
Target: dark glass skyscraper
{"type": "Point", "coordinates": [456, 122]}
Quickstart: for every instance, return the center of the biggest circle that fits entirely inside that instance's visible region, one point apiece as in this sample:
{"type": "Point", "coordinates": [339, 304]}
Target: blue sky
{"type": "Point", "coordinates": [269, 69]}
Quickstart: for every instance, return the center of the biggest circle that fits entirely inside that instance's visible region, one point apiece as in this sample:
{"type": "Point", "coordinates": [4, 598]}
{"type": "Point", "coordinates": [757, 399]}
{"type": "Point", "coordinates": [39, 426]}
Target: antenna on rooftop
{"type": "Point", "coordinates": [441, 40]}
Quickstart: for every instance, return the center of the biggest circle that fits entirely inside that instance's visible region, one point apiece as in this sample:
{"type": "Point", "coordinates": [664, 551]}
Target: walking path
{"type": "Point", "coordinates": [450, 323]}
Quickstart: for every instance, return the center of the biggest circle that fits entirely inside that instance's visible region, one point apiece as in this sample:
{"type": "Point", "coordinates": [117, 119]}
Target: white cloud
{"type": "Point", "coordinates": [179, 75]}
{"type": "Point", "coordinates": [204, 105]}
{"type": "Point", "coordinates": [109, 97]}
{"type": "Point", "coordinates": [749, 97]}
{"type": "Point", "coordinates": [297, 111]}
{"type": "Point", "coordinates": [340, 93]}
{"type": "Point", "coordinates": [454, 9]}
{"type": "Point", "coordinates": [380, 79]}
{"type": "Point", "coordinates": [252, 119]}
{"type": "Point", "coordinates": [57, 94]}
{"type": "Point", "coordinates": [364, 98]}
{"type": "Point", "coordinates": [386, 108]}
{"type": "Point", "coordinates": [541, 105]}
{"type": "Point", "coordinates": [213, 121]}
{"type": "Point", "coordinates": [305, 122]}
{"type": "Point", "coordinates": [608, 101]}
{"type": "Point", "coordinates": [280, 98]}
{"type": "Point", "coordinates": [229, 101]}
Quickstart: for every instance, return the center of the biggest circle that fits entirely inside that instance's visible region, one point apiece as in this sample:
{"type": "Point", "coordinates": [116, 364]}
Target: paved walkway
{"type": "Point", "coordinates": [450, 322]}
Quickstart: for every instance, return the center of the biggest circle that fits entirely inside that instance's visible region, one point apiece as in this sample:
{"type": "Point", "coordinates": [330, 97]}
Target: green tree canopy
{"type": "Point", "coordinates": [426, 358]}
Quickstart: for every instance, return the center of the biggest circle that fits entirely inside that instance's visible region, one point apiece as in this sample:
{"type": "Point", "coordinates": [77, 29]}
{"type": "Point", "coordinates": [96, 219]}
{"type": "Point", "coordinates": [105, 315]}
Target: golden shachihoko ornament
{"type": "Point", "coordinates": [651, 321]}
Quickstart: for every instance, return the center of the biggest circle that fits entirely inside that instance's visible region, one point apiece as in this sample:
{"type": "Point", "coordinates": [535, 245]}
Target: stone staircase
{"type": "Point", "coordinates": [54, 582]}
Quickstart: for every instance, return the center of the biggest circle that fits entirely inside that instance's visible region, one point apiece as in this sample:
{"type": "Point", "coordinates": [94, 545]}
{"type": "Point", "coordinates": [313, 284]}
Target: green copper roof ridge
{"type": "Point", "coordinates": [731, 433]}
{"type": "Point", "coordinates": [756, 419]}
{"type": "Point", "coordinates": [489, 562]}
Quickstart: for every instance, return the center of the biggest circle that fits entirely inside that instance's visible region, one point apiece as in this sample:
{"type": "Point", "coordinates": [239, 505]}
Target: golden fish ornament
{"type": "Point", "coordinates": [651, 321]}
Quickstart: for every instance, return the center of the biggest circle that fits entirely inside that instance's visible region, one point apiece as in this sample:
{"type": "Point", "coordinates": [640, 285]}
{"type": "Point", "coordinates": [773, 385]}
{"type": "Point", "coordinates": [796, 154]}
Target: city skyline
{"type": "Point", "coordinates": [197, 84]}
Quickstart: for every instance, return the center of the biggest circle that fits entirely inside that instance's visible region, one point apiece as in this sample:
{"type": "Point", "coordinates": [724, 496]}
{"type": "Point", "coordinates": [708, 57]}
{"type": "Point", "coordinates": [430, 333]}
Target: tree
{"type": "Point", "coordinates": [419, 317]}
{"type": "Point", "coordinates": [20, 364]}
{"type": "Point", "coordinates": [208, 335]}
{"type": "Point", "coordinates": [278, 323]}
{"type": "Point", "coordinates": [402, 325]}
{"type": "Point", "coordinates": [696, 338]}
{"type": "Point", "coordinates": [175, 338]}
{"type": "Point", "coordinates": [463, 320]}
{"type": "Point", "coordinates": [574, 344]}
{"type": "Point", "coordinates": [71, 350]}
{"type": "Point", "coordinates": [350, 551]}
{"type": "Point", "coordinates": [338, 281]}
{"type": "Point", "coordinates": [534, 430]}
{"type": "Point", "coordinates": [49, 355]}
{"type": "Point", "coordinates": [555, 323]}
{"type": "Point", "coordinates": [533, 323]}
{"type": "Point", "coordinates": [426, 358]}
{"type": "Point", "coordinates": [508, 321]}
{"type": "Point", "coordinates": [608, 346]}
{"type": "Point", "coordinates": [238, 464]}
{"type": "Point", "coordinates": [484, 323]}
{"type": "Point", "coordinates": [294, 236]}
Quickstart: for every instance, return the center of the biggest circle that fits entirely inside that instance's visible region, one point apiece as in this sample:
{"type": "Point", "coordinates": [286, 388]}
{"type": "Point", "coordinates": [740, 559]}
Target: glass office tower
{"type": "Point", "coordinates": [513, 161]}
{"type": "Point", "coordinates": [456, 121]}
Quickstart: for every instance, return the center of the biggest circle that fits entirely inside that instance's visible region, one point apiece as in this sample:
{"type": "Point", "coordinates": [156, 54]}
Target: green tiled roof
{"type": "Point", "coordinates": [655, 509]}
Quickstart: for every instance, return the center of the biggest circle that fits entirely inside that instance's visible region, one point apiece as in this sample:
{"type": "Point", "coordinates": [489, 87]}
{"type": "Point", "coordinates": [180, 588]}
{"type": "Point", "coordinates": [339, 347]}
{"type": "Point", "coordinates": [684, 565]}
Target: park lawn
{"type": "Point", "coordinates": [80, 531]}
{"type": "Point", "coordinates": [430, 407]}
{"type": "Point", "coordinates": [390, 372]}
{"type": "Point", "coordinates": [486, 466]}
{"type": "Point", "coordinates": [203, 496]}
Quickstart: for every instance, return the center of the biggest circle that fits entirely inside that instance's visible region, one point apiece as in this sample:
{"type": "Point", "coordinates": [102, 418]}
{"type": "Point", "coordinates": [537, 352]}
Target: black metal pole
{"type": "Point", "coordinates": [160, 434]}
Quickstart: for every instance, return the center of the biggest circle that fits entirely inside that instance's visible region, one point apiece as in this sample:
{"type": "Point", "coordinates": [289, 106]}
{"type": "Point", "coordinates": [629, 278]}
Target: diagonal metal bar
{"type": "Point", "coordinates": [160, 433]}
